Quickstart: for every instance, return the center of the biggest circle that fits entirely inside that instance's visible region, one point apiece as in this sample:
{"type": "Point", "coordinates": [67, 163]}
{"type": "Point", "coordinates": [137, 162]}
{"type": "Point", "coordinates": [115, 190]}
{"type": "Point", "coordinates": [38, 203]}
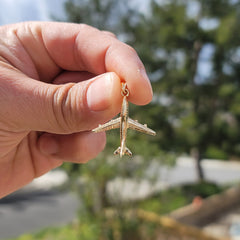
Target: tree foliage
{"type": "Point", "coordinates": [196, 88]}
{"type": "Point", "coordinates": [191, 51]}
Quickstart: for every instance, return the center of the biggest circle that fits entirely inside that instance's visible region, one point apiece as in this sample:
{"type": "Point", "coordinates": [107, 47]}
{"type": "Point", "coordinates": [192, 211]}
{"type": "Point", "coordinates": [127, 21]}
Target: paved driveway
{"type": "Point", "coordinates": [29, 212]}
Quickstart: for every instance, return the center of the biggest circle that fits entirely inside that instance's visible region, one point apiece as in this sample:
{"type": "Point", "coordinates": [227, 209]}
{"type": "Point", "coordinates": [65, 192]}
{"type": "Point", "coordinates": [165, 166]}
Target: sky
{"type": "Point", "coordinates": [13, 11]}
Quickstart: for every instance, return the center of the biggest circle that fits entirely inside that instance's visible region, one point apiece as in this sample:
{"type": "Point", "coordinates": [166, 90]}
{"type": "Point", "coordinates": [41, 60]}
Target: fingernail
{"type": "Point", "coordinates": [99, 92]}
{"type": "Point", "coordinates": [49, 145]}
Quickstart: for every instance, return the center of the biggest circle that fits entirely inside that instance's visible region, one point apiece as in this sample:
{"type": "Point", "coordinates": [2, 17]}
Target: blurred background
{"type": "Point", "coordinates": [181, 184]}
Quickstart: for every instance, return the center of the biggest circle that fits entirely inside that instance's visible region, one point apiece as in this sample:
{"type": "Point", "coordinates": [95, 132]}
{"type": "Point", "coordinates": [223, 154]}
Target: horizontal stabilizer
{"type": "Point", "coordinates": [122, 152]}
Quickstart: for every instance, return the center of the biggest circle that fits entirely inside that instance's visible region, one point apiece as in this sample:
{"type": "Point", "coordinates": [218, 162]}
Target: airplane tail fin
{"type": "Point", "coordinates": [122, 152]}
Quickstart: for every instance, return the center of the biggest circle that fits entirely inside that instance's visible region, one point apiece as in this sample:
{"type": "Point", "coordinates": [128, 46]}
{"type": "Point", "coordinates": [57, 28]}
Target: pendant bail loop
{"type": "Point", "coordinates": [125, 91]}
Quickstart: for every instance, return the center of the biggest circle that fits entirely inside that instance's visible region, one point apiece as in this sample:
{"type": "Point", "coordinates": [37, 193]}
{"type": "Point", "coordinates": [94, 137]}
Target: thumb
{"type": "Point", "coordinates": [37, 106]}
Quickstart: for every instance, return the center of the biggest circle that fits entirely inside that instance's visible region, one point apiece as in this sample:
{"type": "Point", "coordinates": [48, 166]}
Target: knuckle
{"type": "Point", "coordinates": [66, 108]}
{"type": "Point", "coordinates": [109, 34]}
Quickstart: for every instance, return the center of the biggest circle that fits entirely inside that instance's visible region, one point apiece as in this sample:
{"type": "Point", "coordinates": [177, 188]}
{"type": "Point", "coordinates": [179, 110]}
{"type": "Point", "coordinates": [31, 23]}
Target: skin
{"type": "Point", "coordinates": [57, 82]}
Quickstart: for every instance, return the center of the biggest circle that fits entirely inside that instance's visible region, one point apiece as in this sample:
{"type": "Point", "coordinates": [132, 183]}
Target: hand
{"type": "Point", "coordinates": [57, 82]}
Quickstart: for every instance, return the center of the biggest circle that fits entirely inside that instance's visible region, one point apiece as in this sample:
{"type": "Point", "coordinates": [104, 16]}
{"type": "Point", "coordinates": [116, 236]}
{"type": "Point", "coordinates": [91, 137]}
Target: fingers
{"type": "Point", "coordinates": [60, 109]}
{"type": "Point", "coordinates": [78, 147]}
{"type": "Point", "coordinates": [94, 51]}
{"type": "Point", "coordinates": [74, 47]}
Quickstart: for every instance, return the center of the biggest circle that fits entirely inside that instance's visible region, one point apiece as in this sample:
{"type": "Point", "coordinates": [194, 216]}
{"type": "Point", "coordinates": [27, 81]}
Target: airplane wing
{"type": "Point", "coordinates": [140, 127]}
{"type": "Point", "coordinates": [115, 123]}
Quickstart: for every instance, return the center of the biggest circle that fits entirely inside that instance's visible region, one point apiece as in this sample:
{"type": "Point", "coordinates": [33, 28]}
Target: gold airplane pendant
{"type": "Point", "coordinates": [124, 122]}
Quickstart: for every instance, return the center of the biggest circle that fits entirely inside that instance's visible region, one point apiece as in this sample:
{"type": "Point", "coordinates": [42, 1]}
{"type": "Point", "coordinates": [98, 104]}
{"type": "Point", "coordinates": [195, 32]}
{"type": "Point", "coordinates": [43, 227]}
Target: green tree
{"type": "Point", "coordinates": [191, 50]}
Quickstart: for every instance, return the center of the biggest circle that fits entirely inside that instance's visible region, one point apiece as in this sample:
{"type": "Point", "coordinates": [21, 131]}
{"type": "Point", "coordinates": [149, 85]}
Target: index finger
{"type": "Point", "coordinates": [77, 47]}
{"type": "Point", "coordinates": [89, 49]}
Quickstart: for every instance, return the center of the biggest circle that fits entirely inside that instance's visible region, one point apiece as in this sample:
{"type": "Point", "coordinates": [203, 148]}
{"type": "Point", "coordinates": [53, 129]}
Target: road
{"type": "Point", "coordinates": [220, 172]}
{"type": "Point", "coordinates": [29, 212]}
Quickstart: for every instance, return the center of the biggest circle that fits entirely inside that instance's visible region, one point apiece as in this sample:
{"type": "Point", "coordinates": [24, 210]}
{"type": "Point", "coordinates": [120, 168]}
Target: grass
{"type": "Point", "coordinates": [167, 201]}
{"type": "Point", "coordinates": [164, 202]}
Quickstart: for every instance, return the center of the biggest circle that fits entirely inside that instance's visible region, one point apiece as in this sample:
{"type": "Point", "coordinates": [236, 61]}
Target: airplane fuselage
{"type": "Point", "coordinates": [123, 126]}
